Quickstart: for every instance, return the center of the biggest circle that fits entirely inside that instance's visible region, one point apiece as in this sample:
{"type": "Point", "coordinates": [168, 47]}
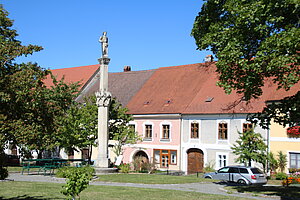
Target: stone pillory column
{"type": "Point", "coordinates": [103, 102]}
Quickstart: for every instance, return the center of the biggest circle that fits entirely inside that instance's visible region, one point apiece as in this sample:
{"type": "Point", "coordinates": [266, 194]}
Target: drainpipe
{"type": "Point", "coordinates": [268, 149]}
{"type": "Point", "coordinates": [181, 124]}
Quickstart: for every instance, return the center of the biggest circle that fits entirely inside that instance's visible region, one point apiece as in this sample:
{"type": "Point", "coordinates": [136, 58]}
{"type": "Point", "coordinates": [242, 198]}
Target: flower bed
{"type": "Point", "coordinates": [293, 179]}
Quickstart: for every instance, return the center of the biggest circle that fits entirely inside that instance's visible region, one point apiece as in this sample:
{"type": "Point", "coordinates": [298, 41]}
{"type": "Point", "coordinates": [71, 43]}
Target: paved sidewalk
{"type": "Point", "coordinates": [208, 188]}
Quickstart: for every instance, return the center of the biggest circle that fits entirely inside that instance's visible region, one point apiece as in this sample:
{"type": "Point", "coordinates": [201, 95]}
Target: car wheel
{"type": "Point", "coordinates": [207, 177]}
{"type": "Point", "coordinates": [241, 182]}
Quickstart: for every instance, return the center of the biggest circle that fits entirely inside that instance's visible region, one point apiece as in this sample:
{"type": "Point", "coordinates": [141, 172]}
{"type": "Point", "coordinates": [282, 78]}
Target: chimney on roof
{"type": "Point", "coordinates": [127, 69]}
{"type": "Point", "coordinates": [209, 58]}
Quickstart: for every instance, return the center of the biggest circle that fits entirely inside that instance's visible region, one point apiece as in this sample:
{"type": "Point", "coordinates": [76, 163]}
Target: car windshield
{"type": "Point", "coordinates": [223, 170]}
{"type": "Point", "coordinates": [256, 171]}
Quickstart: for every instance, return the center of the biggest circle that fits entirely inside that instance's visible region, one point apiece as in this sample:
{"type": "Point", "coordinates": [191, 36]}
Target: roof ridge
{"type": "Point", "coordinates": [131, 72]}
{"type": "Point", "coordinates": [187, 65]}
{"type": "Point", "coordinates": [74, 67]}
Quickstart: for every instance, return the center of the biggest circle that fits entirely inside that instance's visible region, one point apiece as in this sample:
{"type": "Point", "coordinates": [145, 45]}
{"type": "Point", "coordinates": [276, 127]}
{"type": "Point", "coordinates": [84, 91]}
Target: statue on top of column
{"type": "Point", "coordinates": [104, 42]}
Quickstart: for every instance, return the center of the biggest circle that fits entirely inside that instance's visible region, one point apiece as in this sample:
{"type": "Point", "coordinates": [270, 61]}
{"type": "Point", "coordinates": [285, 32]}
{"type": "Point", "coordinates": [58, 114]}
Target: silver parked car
{"type": "Point", "coordinates": [239, 174]}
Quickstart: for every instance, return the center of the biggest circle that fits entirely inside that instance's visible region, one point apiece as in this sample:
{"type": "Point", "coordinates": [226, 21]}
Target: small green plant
{"type": "Point", "coordinates": [273, 163]}
{"type": "Point", "coordinates": [281, 176]}
{"type": "Point", "coordinates": [209, 167]}
{"type": "Point", "coordinates": [282, 160]}
{"type": "Point", "coordinates": [77, 181]}
{"type": "Point", "coordinates": [124, 168]}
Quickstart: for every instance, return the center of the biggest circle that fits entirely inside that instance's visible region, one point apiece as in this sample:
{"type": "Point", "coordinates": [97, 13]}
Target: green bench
{"type": "Point", "coordinates": [43, 165]}
{"type": "Point", "coordinates": [46, 164]}
{"type": "Point", "coordinates": [28, 164]}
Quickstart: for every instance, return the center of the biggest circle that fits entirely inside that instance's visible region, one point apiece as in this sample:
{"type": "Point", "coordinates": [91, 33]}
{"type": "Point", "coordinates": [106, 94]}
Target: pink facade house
{"type": "Point", "coordinates": [160, 140]}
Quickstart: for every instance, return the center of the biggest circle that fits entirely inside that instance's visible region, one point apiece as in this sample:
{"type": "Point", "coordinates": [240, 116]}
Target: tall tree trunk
{"type": "Point", "coordinates": [40, 153]}
{"type": "Point", "coordinates": [90, 154]}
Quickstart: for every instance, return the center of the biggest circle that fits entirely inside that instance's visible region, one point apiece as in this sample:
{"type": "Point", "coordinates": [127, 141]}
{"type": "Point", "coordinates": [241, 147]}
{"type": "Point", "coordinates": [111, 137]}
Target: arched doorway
{"type": "Point", "coordinates": [195, 160]}
{"type": "Point", "coordinates": [142, 155]}
{"type": "Point", "coordinates": [139, 160]}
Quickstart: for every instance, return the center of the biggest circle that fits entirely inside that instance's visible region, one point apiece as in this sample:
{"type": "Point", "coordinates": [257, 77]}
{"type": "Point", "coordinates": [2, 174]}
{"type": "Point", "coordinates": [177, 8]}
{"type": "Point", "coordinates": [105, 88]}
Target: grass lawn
{"type": "Point", "coordinates": [14, 169]}
{"type": "Point", "coordinates": [151, 179]}
{"type": "Point", "coordinates": [291, 191]}
{"type": "Point", "coordinates": [10, 190]}
{"type": "Point", "coordinates": [274, 182]}
{"type": "Point", "coordinates": [19, 170]}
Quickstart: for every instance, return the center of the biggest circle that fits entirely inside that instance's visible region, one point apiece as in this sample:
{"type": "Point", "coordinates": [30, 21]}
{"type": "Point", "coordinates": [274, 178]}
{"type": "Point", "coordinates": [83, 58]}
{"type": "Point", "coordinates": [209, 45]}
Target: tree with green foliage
{"type": "Point", "coordinates": [254, 40]}
{"type": "Point", "coordinates": [79, 126]}
{"type": "Point", "coordinates": [119, 130]}
{"type": "Point", "coordinates": [29, 110]}
{"type": "Point", "coordinates": [249, 147]}
{"type": "Point", "coordinates": [77, 180]}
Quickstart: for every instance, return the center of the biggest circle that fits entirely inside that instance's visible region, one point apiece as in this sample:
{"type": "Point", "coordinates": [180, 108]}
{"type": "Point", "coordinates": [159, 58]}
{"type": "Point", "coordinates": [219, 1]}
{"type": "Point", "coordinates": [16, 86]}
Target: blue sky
{"type": "Point", "coordinates": [144, 34]}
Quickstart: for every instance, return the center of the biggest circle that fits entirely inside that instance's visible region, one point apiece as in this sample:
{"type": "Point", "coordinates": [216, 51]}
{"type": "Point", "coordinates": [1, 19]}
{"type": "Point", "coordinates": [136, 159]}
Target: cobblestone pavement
{"type": "Point", "coordinates": [209, 188]}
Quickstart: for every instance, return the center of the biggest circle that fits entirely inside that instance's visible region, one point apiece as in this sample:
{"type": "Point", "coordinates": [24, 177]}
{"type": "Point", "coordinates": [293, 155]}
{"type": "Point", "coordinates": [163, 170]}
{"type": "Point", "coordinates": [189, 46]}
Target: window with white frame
{"type": "Point", "coordinates": [221, 160]}
{"type": "Point", "coordinates": [223, 130]}
{"type": "Point", "coordinates": [195, 130]}
{"type": "Point", "coordinates": [295, 160]}
{"type": "Point", "coordinates": [165, 131]}
{"type": "Point", "coordinates": [148, 131]}
{"type": "Point", "coordinates": [247, 126]}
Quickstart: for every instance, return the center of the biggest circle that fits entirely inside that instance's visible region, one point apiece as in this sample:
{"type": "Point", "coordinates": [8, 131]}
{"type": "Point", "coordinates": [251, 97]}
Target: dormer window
{"type": "Point", "coordinates": [209, 99]}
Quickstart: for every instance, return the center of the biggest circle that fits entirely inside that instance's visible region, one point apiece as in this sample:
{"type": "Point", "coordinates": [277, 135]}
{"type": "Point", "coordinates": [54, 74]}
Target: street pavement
{"type": "Point", "coordinates": [208, 188]}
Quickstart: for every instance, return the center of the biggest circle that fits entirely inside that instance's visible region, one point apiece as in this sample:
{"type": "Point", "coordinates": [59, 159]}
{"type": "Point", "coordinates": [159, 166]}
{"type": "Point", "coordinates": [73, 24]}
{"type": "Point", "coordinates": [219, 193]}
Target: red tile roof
{"type": "Point", "coordinates": [169, 90]}
{"type": "Point", "coordinates": [191, 89]}
{"type": "Point", "coordinates": [73, 74]}
{"type": "Point", "coordinates": [185, 89]}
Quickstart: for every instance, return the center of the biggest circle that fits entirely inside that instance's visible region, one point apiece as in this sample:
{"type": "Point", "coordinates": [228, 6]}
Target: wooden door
{"type": "Point", "coordinates": [195, 161]}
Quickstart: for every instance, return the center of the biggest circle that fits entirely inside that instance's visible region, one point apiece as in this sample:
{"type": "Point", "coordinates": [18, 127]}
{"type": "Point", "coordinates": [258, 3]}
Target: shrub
{"type": "Point", "coordinates": [77, 180]}
{"type": "Point", "coordinates": [64, 172]}
{"type": "Point", "coordinates": [124, 168]}
{"type": "Point", "coordinates": [209, 167]}
{"type": "Point", "coordinates": [282, 160]}
{"type": "Point", "coordinates": [3, 173]}
{"type": "Point", "coordinates": [3, 170]}
{"type": "Point", "coordinates": [149, 167]}
{"type": "Point", "coordinates": [273, 163]}
{"type": "Point", "coordinates": [281, 176]}
{"type": "Point", "coordinates": [137, 163]}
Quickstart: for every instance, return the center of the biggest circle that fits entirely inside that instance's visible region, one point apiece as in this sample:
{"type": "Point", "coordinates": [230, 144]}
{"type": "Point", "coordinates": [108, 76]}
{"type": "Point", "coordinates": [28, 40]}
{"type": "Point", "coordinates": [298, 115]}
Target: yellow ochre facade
{"type": "Point", "coordinates": [290, 146]}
